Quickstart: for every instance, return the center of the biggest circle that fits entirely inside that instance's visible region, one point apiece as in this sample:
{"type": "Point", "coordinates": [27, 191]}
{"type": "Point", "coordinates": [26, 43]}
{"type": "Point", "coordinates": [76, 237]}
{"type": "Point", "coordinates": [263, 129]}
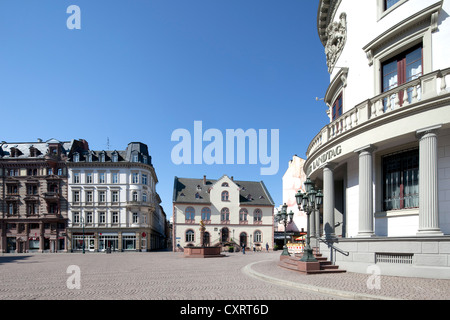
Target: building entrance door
{"type": "Point", "coordinates": [243, 239]}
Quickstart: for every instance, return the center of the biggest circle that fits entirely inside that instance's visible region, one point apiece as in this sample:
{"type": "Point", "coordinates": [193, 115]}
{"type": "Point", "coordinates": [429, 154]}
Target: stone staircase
{"type": "Point", "coordinates": [292, 263]}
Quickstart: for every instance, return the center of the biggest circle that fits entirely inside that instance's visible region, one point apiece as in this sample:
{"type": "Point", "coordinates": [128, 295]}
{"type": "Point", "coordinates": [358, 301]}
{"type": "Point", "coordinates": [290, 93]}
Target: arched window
{"type": "Point", "coordinates": [257, 236]}
{"type": "Point", "coordinates": [190, 236]}
{"type": "Point", "coordinates": [225, 214]}
{"type": "Point", "coordinates": [225, 196]}
{"type": "Point", "coordinates": [144, 197]}
{"type": "Point", "coordinates": [206, 214]}
{"type": "Point", "coordinates": [190, 213]}
{"type": "Point", "coordinates": [243, 213]}
{"type": "Point", "coordinates": [76, 157]}
{"type": "Point", "coordinates": [225, 184]}
{"type": "Point", "coordinates": [257, 216]}
{"type": "Point", "coordinates": [135, 196]}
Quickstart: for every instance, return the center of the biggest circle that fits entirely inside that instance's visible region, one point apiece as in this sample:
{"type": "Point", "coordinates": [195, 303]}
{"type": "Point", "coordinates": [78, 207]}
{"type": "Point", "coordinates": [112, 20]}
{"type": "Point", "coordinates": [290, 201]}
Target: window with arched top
{"type": "Point", "coordinates": [135, 196]}
{"type": "Point", "coordinates": [257, 216]}
{"type": "Point", "coordinates": [225, 196]}
{"type": "Point", "coordinates": [257, 236]}
{"type": "Point", "coordinates": [206, 214]}
{"type": "Point", "coordinates": [225, 184]}
{"type": "Point", "coordinates": [225, 214]}
{"type": "Point", "coordinates": [243, 213]}
{"type": "Point", "coordinates": [190, 236]}
{"type": "Point", "coordinates": [190, 213]}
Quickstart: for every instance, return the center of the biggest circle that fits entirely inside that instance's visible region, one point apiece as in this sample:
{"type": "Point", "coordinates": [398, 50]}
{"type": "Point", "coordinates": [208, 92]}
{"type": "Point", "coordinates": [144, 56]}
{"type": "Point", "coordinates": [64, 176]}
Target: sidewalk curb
{"type": "Point", "coordinates": [343, 294]}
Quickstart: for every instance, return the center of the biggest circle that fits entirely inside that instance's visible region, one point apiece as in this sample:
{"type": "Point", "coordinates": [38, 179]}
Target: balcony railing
{"type": "Point", "coordinates": [409, 94]}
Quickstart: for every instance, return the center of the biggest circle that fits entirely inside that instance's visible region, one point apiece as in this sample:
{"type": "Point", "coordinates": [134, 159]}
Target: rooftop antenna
{"type": "Point", "coordinates": [317, 99]}
{"type": "Point", "coordinates": [107, 143]}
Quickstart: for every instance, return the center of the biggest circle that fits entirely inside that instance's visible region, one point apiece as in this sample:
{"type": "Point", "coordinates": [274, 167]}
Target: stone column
{"type": "Point", "coordinates": [312, 224]}
{"type": "Point", "coordinates": [365, 191]}
{"type": "Point", "coordinates": [428, 182]}
{"type": "Point", "coordinates": [328, 200]}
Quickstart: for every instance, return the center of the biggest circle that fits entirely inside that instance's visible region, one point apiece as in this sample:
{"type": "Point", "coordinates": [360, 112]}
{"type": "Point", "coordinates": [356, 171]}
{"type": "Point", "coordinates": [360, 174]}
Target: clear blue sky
{"type": "Point", "coordinates": [139, 69]}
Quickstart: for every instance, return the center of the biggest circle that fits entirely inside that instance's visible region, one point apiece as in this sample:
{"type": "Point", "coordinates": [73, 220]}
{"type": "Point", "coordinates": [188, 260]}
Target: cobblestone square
{"type": "Point", "coordinates": [170, 276]}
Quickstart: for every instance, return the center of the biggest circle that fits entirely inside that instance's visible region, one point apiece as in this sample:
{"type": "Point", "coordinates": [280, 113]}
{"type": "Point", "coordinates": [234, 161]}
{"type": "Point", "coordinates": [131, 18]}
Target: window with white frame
{"type": "Point", "coordinates": [89, 197]}
{"type": "Point", "coordinates": [144, 197]}
{"type": "Point", "coordinates": [115, 196]}
{"type": "Point", "coordinates": [76, 217]}
{"type": "Point", "coordinates": [144, 179]}
{"type": "Point", "coordinates": [89, 177]}
{"type": "Point", "coordinates": [135, 177]}
{"type": "Point", "coordinates": [76, 177]}
{"type": "Point", "coordinates": [101, 177]}
{"type": "Point", "coordinates": [135, 196]}
{"type": "Point", "coordinates": [135, 217]}
{"type": "Point", "coordinates": [115, 177]}
{"type": "Point", "coordinates": [101, 217]}
{"type": "Point", "coordinates": [115, 217]}
{"type": "Point", "coordinates": [257, 236]}
{"type": "Point", "coordinates": [89, 217]}
{"type": "Point", "coordinates": [102, 196]}
{"type": "Point", "coordinates": [76, 196]}
{"type": "Point", "coordinates": [190, 236]}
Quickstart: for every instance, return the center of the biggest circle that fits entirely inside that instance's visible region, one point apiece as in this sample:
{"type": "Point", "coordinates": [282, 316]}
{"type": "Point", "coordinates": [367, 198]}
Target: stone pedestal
{"type": "Point", "coordinates": [203, 252]}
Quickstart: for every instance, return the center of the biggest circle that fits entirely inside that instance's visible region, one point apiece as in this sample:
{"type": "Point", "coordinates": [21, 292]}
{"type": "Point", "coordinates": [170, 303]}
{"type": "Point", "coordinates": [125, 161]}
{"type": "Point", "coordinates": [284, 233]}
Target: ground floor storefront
{"type": "Point", "coordinates": [114, 240]}
{"type": "Point", "coordinates": [19, 236]}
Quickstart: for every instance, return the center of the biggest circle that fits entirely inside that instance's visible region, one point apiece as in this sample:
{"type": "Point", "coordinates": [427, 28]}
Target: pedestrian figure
{"type": "Point", "coordinates": [254, 248]}
{"type": "Point", "coordinates": [267, 246]}
{"type": "Point", "coordinates": [243, 248]}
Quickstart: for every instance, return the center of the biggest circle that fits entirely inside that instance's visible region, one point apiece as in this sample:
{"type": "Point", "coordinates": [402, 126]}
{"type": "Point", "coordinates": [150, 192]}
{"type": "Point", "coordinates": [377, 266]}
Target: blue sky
{"type": "Point", "coordinates": [139, 69]}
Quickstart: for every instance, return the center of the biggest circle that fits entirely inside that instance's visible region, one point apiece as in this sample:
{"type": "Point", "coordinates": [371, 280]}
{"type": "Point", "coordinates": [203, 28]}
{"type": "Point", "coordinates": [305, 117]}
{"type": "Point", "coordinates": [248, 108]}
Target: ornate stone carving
{"type": "Point", "coordinates": [337, 35]}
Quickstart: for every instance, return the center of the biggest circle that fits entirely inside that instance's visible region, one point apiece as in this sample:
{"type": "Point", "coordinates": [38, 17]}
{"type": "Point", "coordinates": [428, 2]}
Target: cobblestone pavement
{"type": "Point", "coordinates": [170, 276]}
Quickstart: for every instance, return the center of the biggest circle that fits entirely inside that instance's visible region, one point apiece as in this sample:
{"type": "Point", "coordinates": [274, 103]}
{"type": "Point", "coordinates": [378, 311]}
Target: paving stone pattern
{"type": "Point", "coordinates": [170, 276]}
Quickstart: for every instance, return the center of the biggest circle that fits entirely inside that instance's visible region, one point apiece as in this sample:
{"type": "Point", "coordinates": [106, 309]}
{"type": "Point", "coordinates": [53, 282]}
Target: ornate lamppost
{"type": "Point", "coordinates": [310, 200]}
{"type": "Point", "coordinates": [285, 218]}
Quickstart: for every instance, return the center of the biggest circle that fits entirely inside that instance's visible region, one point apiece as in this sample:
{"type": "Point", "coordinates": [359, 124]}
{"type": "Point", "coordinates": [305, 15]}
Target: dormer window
{"type": "Point", "coordinates": [76, 157]}
{"type": "Point", "coordinates": [145, 159]}
{"type": "Point", "coordinates": [115, 157]}
{"type": "Point", "coordinates": [135, 158]}
{"type": "Point", "coordinates": [102, 157]}
{"type": "Point", "coordinates": [89, 157]}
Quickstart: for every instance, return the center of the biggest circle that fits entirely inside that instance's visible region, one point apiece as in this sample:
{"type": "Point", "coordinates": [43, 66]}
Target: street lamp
{"type": "Point", "coordinates": [310, 201]}
{"type": "Point", "coordinates": [285, 218]}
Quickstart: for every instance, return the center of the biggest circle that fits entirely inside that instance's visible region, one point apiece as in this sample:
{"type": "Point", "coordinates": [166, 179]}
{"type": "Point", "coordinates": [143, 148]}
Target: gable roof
{"type": "Point", "coordinates": [189, 190]}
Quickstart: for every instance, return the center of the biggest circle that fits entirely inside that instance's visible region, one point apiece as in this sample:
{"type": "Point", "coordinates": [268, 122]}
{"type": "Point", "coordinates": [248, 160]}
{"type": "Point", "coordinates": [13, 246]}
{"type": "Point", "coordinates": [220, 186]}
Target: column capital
{"type": "Point", "coordinates": [368, 148]}
{"type": "Point", "coordinates": [421, 133]}
{"type": "Point", "coordinates": [329, 165]}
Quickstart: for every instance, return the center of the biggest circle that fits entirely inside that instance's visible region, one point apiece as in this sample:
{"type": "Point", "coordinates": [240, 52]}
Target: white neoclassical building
{"type": "Point", "coordinates": [113, 201]}
{"type": "Point", "coordinates": [239, 212]}
{"type": "Point", "coordinates": [383, 158]}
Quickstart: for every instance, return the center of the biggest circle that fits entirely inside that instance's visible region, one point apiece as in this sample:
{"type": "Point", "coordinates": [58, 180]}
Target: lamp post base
{"type": "Point", "coordinates": [285, 251]}
{"type": "Point", "coordinates": [308, 256]}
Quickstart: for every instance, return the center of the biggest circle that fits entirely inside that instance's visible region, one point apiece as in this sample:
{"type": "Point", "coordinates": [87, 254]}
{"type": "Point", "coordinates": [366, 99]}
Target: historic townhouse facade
{"type": "Point", "coordinates": [113, 201]}
{"type": "Point", "coordinates": [33, 194]}
{"type": "Point", "coordinates": [383, 160]}
{"type": "Point", "coordinates": [239, 212]}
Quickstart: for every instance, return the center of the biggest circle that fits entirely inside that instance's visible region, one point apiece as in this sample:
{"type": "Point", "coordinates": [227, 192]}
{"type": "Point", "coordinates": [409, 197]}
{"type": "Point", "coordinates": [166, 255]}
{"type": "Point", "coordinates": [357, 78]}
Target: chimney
{"type": "Point", "coordinates": [204, 180]}
{"type": "Point", "coordinates": [232, 178]}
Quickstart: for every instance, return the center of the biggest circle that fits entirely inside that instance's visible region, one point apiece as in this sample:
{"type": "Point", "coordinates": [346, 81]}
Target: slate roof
{"type": "Point", "coordinates": [251, 192]}
{"type": "Point", "coordinates": [24, 148]}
